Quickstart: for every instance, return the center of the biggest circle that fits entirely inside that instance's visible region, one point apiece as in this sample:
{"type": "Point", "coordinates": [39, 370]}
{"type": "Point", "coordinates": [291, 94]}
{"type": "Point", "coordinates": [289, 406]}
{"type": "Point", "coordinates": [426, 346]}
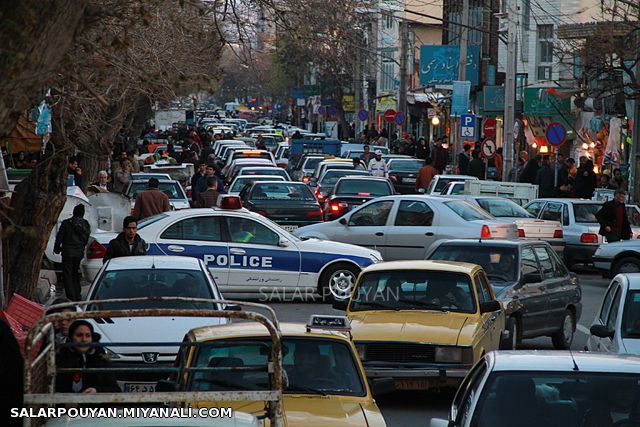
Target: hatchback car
{"type": "Point", "coordinates": [403, 227]}
{"type": "Point", "coordinates": [352, 191]}
{"type": "Point", "coordinates": [403, 174]}
{"type": "Point", "coordinates": [547, 388]}
{"type": "Point", "coordinates": [149, 276]}
{"type": "Point", "coordinates": [177, 197]}
{"type": "Point", "coordinates": [288, 204]}
{"type": "Point", "coordinates": [423, 323]}
{"type": "Point", "coordinates": [241, 180]}
{"type": "Point", "coordinates": [579, 223]}
{"type": "Point", "coordinates": [539, 295]}
{"type": "Point", "coordinates": [616, 328]}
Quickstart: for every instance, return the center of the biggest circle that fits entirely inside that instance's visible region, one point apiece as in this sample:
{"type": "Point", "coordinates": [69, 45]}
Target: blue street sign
{"type": "Point", "coordinates": [363, 115]}
{"type": "Point", "coordinates": [556, 134]}
{"type": "Point", "coordinates": [400, 118]}
{"type": "Point", "coordinates": [332, 110]}
{"type": "Point", "coordinates": [321, 109]}
{"type": "Point", "coordinates": [468, 126]}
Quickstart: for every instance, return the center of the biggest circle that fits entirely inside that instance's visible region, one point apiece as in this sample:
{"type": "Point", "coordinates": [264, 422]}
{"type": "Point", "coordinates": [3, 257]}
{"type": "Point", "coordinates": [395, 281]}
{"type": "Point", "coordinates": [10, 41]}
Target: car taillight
{"type": "Point", "coordinates": [189, 193]}
{"type": "Point", "coordinates": [589, 238]}
{"type": "Point", "coordinates": [282, 165]}
{"type": "Point", "coordinates": [485, 233]}
{"type": "Point", "coordinates": [337, 207]}
{"type": "Point", "coordinates": [521, 233]}
{"type": "Point", "coordinates": [315, 215]}
{"type": "Point", "coordinates": [96, 251]}
{"type": "Point", "coordinates": [320, 196]}
{"type": "Point", "coordinates": [558, 234]}
{"type": "Point", "coordinates": [306, 179]}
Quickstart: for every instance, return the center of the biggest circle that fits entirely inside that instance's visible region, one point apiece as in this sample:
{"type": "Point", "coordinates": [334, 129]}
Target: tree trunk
{"type": "Point", "coordinates": [42, 195]}
{"type": "Point", "coordinates": [34, 37]}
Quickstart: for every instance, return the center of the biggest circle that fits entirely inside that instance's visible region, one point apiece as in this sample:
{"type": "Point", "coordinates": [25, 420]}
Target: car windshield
{"type": "Point", "coordinates": [284, 191]}
{"type": "Point", "coordinates": [467, 211]}
{"type": "Point", "coordinates": [542, 398]}
{"type": "Point", "coordinates": [332, 176]}
{"type": "Point", "coordinates": [405, 165]}
{"type": "Point", "coordinates": [414, 290]}
{"type": "Point", "coordinates": [499, 262]}
{"type": "Point", "coordinates": [362, 187]}
{"type": "Point", "coordinates": [313, 366]}
{"type": "Point", "coordinates": [442, 181]}
{"type": "Point", "coordinates": [171, 189]}
{"type": "Point", "coordinates": [240, 182]}
{"type": "Point", "coordinates": [586, 212]}
{"type": "Point", "coordinates": [503, 208]}
{"type": "Point", "coordinates": [156, 282]}
{"type": "Point", "coordinates": [631, 316]}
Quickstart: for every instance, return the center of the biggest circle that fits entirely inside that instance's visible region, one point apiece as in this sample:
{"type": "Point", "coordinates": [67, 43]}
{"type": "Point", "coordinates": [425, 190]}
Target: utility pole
{"type": "Point", "coordinates": [510, 91]}
{"type": "Point", "coordinates": [402, 91]}
{"type": "Point", "coordinates": [462, 76]}
{"type": "Point", "coordinates": [357, 86]}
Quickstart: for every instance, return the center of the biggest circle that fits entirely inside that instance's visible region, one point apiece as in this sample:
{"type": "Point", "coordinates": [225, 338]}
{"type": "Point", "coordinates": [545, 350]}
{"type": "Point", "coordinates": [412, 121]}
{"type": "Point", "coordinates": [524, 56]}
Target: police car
{"type": "Point", "coordinates": [246, 252]}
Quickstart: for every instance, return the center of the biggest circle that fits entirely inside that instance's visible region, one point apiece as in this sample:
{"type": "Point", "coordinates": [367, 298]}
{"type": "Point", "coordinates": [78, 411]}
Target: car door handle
{"type": "Point", "coordinates": [175, 248]}
{"type": "Point", "coordinates": [428, 233]}
{"type": "Point", "coordinates": [237, 251]}
{"type": "Point", "coordinates": [379, 233]}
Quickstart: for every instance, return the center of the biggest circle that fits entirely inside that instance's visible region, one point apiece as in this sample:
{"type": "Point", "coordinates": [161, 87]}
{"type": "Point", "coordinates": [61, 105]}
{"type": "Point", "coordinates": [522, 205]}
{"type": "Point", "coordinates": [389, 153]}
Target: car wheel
{"type": "Point", "coordinates": [514, 339]}
{"type": "Point", "coordinates": [337, 282]}
{"type": "Point", "coordinates": [564, 337]}
{"type": "Point", "coordinates": [627, 265]}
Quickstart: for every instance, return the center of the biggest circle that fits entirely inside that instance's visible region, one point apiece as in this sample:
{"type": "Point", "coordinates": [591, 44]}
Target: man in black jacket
{"type": "Point", "coordinates": [614, 224]}
{"type": "Point", "coordinates": [71, 240]}
{"type": "Point", "coordinates": [128, 243]}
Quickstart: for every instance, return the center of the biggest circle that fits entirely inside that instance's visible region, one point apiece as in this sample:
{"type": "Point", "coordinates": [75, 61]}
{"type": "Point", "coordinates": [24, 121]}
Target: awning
{"type": "Point", "coordinates": [426, 98]}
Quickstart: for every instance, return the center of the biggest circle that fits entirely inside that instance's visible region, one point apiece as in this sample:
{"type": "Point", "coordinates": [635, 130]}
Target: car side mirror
{"type": "Point", "coordinates": [342, 221]}
{"type": "Point", "coordinates": [490, 306]}
{"type": "Point", "coordinates": [531, 278]}
{"type": "Point", "coordinates": [284, 242]}
{"type": "Point", "coordinates": [380, 386]}
{"type": "Point", "coordinates": [601, 331]}
{"type": "Point", "coordinates": [340, 304]}
{"type": "Point", "coordinates": [233, 307]}
{"type": "Point", "coordinates": [166, 385]}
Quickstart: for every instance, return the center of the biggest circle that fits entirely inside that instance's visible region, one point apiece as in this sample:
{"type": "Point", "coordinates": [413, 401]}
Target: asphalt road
{"type": "Point", "coordinates": [417, 408]}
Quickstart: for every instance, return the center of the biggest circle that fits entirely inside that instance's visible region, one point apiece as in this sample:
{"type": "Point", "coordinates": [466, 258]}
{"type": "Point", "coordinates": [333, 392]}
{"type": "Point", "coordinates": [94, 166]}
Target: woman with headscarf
{"type": "Point", "coordinates": [423, 151]}
{"type": "Point", "coordinates": [81, 356]}
{"type": "Point", "coordinates": [586, 181]}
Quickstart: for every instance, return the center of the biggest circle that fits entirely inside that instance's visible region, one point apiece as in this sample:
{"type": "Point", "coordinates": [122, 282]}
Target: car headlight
{"type": "Point", "coordinates": [449, 354]}
{"type": "Point", "coordinates": [362, 351]}
{"type": "Point", "coordinates": [112, 355]}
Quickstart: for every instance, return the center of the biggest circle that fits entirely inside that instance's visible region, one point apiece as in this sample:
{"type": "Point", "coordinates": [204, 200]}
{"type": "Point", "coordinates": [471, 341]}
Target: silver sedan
{"type": "Point", "coordinates": [404, 226]}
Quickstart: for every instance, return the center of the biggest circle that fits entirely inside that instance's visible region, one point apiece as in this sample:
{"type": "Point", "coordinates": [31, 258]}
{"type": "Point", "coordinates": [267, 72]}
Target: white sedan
{"type": "Point", "coordinates": [246, 252]}
{"type": "Point", "coordinates": [403, 227]}
{"type": "Point", "coordinates": [616, 328]}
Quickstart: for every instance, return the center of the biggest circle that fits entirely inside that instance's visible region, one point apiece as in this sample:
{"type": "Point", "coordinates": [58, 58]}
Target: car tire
{"type": "Point", "coordinates": [515, 338]}
{"type": "Point", "coordinates": [564, 337]}
{"type": "Point", "coordinates": [626, 265]}
{"type": "Point", "coordinates": [337, 282]}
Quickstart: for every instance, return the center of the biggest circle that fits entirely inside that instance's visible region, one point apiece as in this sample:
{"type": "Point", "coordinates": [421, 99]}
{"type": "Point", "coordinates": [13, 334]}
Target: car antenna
{"type": "Point", "coordinates": [575, 365]}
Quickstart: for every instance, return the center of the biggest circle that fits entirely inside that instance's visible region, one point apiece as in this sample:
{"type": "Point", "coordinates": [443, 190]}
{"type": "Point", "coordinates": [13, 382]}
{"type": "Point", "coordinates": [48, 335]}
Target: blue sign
{"type": "Point", "coordinates": [439, 64]}
{"type": "Point", "coordinates": [332, 110]}
{"type": "Point", "coordinates": [297, 93]}
{"type": "Point", "coordinates": [468, 126]}
{"type": "Point", "coordinates": [493, 98]}
{"type": "Point", "coordinates": [363, 115]}
{"type": "Point", "coordinates": [321, 109]}
{"type": "Point", "coordinates": [43, 125]}
{"type": "Point", "coordinates": [460, 98]}
{"type": "Point", "coordinates": [556, 134]}
{"type": "Point", "coordinates": [400, 118]}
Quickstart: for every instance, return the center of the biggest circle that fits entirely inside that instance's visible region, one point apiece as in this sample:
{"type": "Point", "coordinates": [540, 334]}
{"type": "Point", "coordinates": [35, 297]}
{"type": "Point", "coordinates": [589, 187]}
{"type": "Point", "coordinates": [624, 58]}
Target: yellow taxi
{"type": "Point", "coordinates": [423, 323]}
{"type": "Point", "coordinates": [324, 382]}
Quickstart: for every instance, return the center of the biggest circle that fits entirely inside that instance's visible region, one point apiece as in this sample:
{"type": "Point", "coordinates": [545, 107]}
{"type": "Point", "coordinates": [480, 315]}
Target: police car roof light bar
{"type": "Point", "coordinates": [226, 201]}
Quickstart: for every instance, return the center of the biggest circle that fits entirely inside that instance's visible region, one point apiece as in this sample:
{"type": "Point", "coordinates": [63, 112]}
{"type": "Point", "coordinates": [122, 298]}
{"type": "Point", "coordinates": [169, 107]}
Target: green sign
{"type": "Point", "coordinates": [311, 90]}
{"type": "Point", "coordinates": [537, 102]}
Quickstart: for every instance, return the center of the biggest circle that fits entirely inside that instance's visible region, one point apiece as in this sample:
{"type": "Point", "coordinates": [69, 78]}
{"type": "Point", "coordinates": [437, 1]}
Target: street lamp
{"type": "Point", "coordinates": [435, 120]}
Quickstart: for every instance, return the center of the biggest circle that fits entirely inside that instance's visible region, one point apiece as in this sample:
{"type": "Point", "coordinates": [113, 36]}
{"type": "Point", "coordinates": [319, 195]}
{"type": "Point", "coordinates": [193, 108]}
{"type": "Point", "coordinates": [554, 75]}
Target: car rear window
{"type": "Point", "coordinates": [333, 175]}
{"type": "Point", "coordinates": [362, 187]}
{"type": "Point", "coordinates": [586, 212]}
{"type": "Point", "coordinates": [406, 165]}
{"type": "Point", "coordinates": [503, 208]}
{"type": "Point", "coordinates": [467, 211]}
{"type": "Point", "coordinates": [284, 191]}
{"type": "Point", "coordinates": [312, 162]}
{"type": "Point", "coordinates": [240, 182]}
{"type": "Point", "coordinates": [171, 189]}
{"type": "Point", "coordinates": [499, 262]}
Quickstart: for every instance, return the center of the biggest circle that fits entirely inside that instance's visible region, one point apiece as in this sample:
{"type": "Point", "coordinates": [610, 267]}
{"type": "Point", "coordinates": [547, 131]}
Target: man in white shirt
{"type": "Point", "coordinates": [377, 166]}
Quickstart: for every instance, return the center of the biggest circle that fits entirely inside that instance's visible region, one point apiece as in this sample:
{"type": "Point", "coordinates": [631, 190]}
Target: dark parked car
{"type": "Point", "coordinates": [403, 173]}
{"type": "Point", "coordinates": [352, 191]}
{"type": "Point", "coordinates": [538, 293]}
{"type": "Point", "coordinates": [324, 186]}
{"type": "Point", "coordinates": [289, 204]}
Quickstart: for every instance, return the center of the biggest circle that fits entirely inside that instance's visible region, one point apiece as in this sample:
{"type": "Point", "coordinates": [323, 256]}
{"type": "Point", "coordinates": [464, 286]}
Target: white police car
{"type": "Point", "coordinates": [246, 252]}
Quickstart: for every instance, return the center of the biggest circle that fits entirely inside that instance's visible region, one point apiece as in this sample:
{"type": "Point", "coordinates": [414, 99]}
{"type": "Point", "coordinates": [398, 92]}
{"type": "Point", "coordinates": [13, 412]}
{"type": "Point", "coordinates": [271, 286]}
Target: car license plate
{"type": "Point", "coordinates": [412, 180]}
{"type": "Point", "coordinates": [290, 227]}
{"type": "Point", "coordinates": [139, 387]}
{"type": "Point", "coordinates": [411, 384]}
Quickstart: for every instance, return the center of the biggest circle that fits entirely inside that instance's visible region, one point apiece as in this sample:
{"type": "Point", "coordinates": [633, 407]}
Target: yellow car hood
{"type": "Point", "coordinates": [408, 325]}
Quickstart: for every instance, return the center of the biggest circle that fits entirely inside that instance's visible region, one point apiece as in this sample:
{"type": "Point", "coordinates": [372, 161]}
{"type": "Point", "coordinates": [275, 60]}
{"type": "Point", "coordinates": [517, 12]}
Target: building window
{"type": "Point", "coordinates": [388, 78]}
{"type": "Point", "coordinates": [545, 51]}
{"type": "Point", "coordinates": [388, 21]}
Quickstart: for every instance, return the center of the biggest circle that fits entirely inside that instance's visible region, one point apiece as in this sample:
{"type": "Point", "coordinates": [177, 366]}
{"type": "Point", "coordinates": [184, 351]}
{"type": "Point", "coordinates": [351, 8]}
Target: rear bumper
{"type": "Point", "coordinates": [580, 253]}
{"type": "Point", "coordinates": [435, 372]}
{"type": "Point", "coordinates": [405, 188]}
